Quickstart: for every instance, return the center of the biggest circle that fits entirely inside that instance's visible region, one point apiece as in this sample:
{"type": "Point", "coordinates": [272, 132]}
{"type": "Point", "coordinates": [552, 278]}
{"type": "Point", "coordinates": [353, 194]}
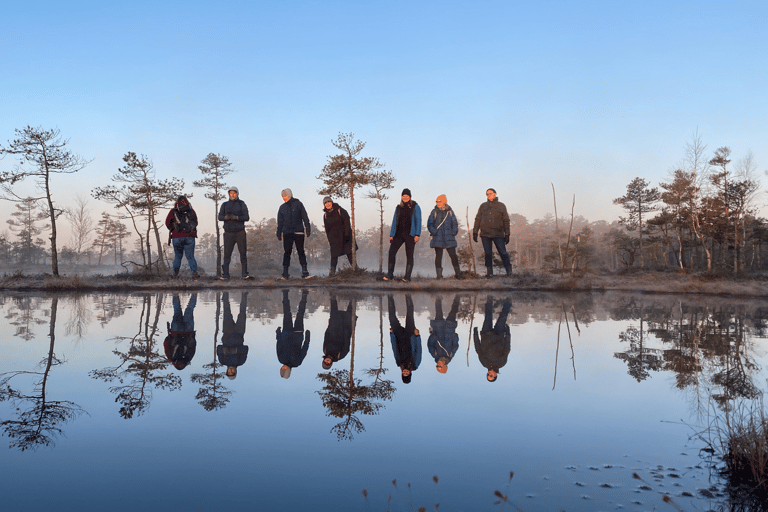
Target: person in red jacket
{"type": "Point", "coordinates": [182, 221]}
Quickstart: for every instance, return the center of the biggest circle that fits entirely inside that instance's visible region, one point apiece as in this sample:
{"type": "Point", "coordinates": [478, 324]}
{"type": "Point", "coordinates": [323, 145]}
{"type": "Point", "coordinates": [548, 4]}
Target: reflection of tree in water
{"type": "Point", "coordinates": [42, 421]}
{"type": "Point", "coordinates": [640, 359]}
{"type": "Point", "coordinates": [21, 315]}
{"type": "Point", "coordinates": [141, 363]}
{"type": "Point", "coordinates": [213, 394]}
{"type": "Point", "coordinates": [709, 348]}
{"type": "Point", "coordinates": [79, 316]}
{"type": "Point", "coordinates": [109, 307]}
{"type": "Point", "coordinates": [344, 395]}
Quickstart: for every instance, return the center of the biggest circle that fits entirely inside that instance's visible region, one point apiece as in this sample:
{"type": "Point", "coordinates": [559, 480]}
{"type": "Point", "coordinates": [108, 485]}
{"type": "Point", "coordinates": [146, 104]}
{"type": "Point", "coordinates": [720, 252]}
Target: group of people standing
{"type": "Point", "coordinates": [293, 228]}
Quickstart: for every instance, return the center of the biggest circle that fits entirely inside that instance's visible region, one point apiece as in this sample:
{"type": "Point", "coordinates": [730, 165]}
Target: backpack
{"type": "Point", "coordinates": [182, 220]}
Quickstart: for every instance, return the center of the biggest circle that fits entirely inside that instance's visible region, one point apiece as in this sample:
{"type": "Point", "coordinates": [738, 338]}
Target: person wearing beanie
{"type": "Point", "coordinates": [338, 229]}
{"type": "Point", "coordinates": [234, 214]}
{"type": "Point", "coordinates": [233, 351]}
{"type": "Point", "coordinates": [406, 341]}
{"type": "Point", "coordinates": [180, 344]}
{"type": "Point", "coordinates": [338, 336]}
{"type": "Point", "coordinates": [443, 228]}
{"type": "Point", "coordinates": [406, 228]}
{"type": "Point", "coordinates": [182, 223]}
{"type": "Point", "coordinates": [492, 224]}
{"type": "Point", "coordinates": [292, 228]}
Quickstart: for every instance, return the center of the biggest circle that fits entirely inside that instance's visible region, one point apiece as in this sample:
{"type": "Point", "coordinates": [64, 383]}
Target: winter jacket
{"type": "Point", "coordinates": [493, 348]}
{"type": "Point", "coordinates": [239, 210]}
{"type": "Point", "coordinates": [292, 347]}
{"type": "Point", "coordinates": [406, 348]}
{"type": "Point", "coordinates": [443, 340]}
{"type": "Point", "coordinates": [338, 335]}
{"type": "Point", "coordinates": [338, 229]}
{"type": "Point", "coordinates": [492, 220]}
{"type": "Point", "coordinates": [443, 226]}
{"type": "Point", "coordinates": [415, 219]}
{"type": "Point", "coordinates": [180, 210]}
{"type": "Point", "coordinates": [292, 218]}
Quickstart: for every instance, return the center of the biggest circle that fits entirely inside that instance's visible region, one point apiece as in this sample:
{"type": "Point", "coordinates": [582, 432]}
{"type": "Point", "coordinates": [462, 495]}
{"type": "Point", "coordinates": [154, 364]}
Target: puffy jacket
{"type": "Point", "coordinates": [239, 210]}
{"type": "Point", "coordinates": [443, 226]}
{"type": "Point", "coordinates": [415, 220]}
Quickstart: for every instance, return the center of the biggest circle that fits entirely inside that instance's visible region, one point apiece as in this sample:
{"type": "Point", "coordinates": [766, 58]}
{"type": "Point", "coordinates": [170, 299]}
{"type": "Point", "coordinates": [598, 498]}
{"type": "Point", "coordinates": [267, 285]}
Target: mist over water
{"type": "Point", "coordinates": [123, 401]}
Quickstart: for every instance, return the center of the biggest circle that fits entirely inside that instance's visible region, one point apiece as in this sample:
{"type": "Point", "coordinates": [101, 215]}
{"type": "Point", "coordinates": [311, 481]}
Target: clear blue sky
{"type": "Point", "coordinates": [452, 97]}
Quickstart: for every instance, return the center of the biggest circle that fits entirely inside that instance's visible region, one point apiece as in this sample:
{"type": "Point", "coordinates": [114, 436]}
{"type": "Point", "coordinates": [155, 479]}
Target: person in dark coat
{"type": "Point", "coordinates": [406, 341]}
{"type": "Point", "coordinates": [443, 342]}
{"type": "Point", "coordinates": [493, 344]}
{"type": "Point", "coordinates": [180, 344]}
{"type": "Point", "coordinates": [292, 344]}
{"type": "Point", "coordinates": [443, 228]}
{"type": "Point", "coordinates": [234, 214]}
{"type": "Point", "coordinates": [292, 228]}
{"type": "Point", "coordinates": [233, 351]}
{"type": "Point", "coordinates": [182, 222]}
{"type": "Point", "coordinates": [492, 224]}
{"type": "Point", "coordinates": [406, 228]}
{"type": "Point", "coordinates": [338, 335]}
{"type": "Point", "coordinates": [338, 229]}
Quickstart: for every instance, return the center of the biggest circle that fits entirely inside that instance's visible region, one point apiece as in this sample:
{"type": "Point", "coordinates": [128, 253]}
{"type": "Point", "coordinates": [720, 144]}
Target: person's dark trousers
{"type": "Point", "coordinates": [410, 244]}
{"type": "Point", "coordinates": [288, 240]}
{"type": "Point", "coordinates": [488, 244]}
{"type": "Point", "coordinates": [230, 239]}
{"type": "Point", "coordinates": [451, 254]}
{"type": "Point", "coordinates": [394, 323]}
{"type": "Point", "coordinates": [288, 324]}
{"type": "Point", "coordinates": [501, 323]}
{"type": "Point", "coordinates": [335, 261]}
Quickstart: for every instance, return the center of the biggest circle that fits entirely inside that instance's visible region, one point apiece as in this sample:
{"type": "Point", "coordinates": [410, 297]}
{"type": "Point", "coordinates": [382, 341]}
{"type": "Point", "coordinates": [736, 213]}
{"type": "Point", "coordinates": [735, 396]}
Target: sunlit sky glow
{"type": "Point", "coordinates": [453, 97]}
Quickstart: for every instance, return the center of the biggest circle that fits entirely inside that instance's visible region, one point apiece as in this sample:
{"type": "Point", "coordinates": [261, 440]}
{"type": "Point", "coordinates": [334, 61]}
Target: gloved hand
{"type": "Point", "coordinates": [307, 233]}
{"type": "Point", "coordinates": [506, 239]}
{"type": "Point", "coordinates": [279, 238]}
{"type": "Point", "coordinates": [230, 217]}
{"type": "Point", "coordinates": [474, 237]}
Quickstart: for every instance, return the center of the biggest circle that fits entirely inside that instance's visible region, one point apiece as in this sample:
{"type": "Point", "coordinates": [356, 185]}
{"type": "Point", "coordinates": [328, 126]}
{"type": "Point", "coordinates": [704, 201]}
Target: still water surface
{"type": "Point", "coordinates": [123, 402]}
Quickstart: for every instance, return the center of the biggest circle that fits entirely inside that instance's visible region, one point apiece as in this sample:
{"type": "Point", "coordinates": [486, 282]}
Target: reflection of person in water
{"type": "Point", "coordinates": [338, 335]}
{"type": "Point", "coordinates": [292, 345]}
{"type": "Point", "coordinates": [180, 344]}
{"type": "Point", "coordinates": [406, 341]}
{"type": "Point", "coordinates": [233, 352]}
{"type": "Point", "coordinates": [443, 341]}
{"type": "Point", "coordinates": [493, 344]}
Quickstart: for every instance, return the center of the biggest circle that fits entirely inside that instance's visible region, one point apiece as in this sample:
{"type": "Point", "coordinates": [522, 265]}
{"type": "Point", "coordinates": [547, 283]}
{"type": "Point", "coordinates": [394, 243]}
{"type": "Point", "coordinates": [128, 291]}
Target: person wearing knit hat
{"type": "Point", "coordinates": [234, 214]}
{"type": "Point", "coordinates": [182, 222]}
{"type": "Point", "coordinates": [292, 339]}
{"type": "Point", "coordinates": [233, 352]}
{"type": "Point", "coordinates": [492, 224]}
{"type": "Point", "coordinates": [338, 229]}
{"type": "Point", "coordinates": [292, 228]}
{"type": "Point", "coordinates": [443, 228]}
{"type": "Point", "coordinates": [406, 228]}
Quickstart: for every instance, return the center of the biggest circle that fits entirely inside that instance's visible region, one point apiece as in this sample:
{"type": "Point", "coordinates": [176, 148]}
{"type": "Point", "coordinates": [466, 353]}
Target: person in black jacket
{"type": "Point", "coordinates": [233, 351]}
{"type": "Point", "coordinates": [338, 229]}
{"type": "Point", "coordinates": [338, 335]}
{"type": "Point", "coordinates": [234, 214]}
{"type": "Point", "coordinates": [292, 226]}
{"type": "Point", "coordinates": [292, 343]}
{"type": "Point", "coordinates": [493, 343]}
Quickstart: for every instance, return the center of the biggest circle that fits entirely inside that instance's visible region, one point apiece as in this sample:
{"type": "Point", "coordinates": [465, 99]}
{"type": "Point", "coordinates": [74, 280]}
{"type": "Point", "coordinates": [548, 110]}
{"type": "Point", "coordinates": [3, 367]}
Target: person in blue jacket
{"type": "Point", "coordinates": [406, 341]}
{"type": "Point", "coordinates": [406, 228]}
{"type": "Point", "coordinates": [292, 227]}
{"type": "Point", "coordinates": [443, 342]}
{"type": "Point", "coordinates": [443, 228]}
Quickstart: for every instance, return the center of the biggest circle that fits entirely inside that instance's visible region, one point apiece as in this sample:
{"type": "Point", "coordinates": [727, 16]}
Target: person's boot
{"type": "Point", "coordinates": [332, 272]}
{"type": "Point", "coordinates": [390, 275]}
{"type": "Point", "coordinates": [408, 270]}
{"type": "Point", "coordinates": [285, 273]}
{"type": "Point", "coordinates": [488, 271]}
{"type": "Point", "coordinates": [457, 270]}
{"type": "Point", "coordinates": [509, 270]}
{"type": "Point", "coordinates": [439, 272]}
{"type": "Point", "coordinates": [304, 271]}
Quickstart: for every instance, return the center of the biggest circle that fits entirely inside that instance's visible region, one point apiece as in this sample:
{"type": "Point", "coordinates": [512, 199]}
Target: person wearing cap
{"type": "Point", "coordinates": [443, 228]}
{"type": "Point", "coordinates": [406, 341]}
{"type": "Point", "coordinates": [493, 344]}
{"type": "Point", "coordinates": [492, 224]}
{"type": "Point", "coordinates": [292, 227]}
{"type": "Point", "coordinates": [182, 223]}
{"type": "Point", "coordinates": [234, 214]}
{"type": "Point", "coordinates": [233, 351]}
{"type": "Point", "coordinates": [443, 342]}
{"type": "Point", "coordinates": [338, 229]}
{"type": "Point", "coordinates": [338, 335]}
{"type": "Point", "coordinates": [292, 343]}
{"type": "Point", "coordinates": [406, 228]}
